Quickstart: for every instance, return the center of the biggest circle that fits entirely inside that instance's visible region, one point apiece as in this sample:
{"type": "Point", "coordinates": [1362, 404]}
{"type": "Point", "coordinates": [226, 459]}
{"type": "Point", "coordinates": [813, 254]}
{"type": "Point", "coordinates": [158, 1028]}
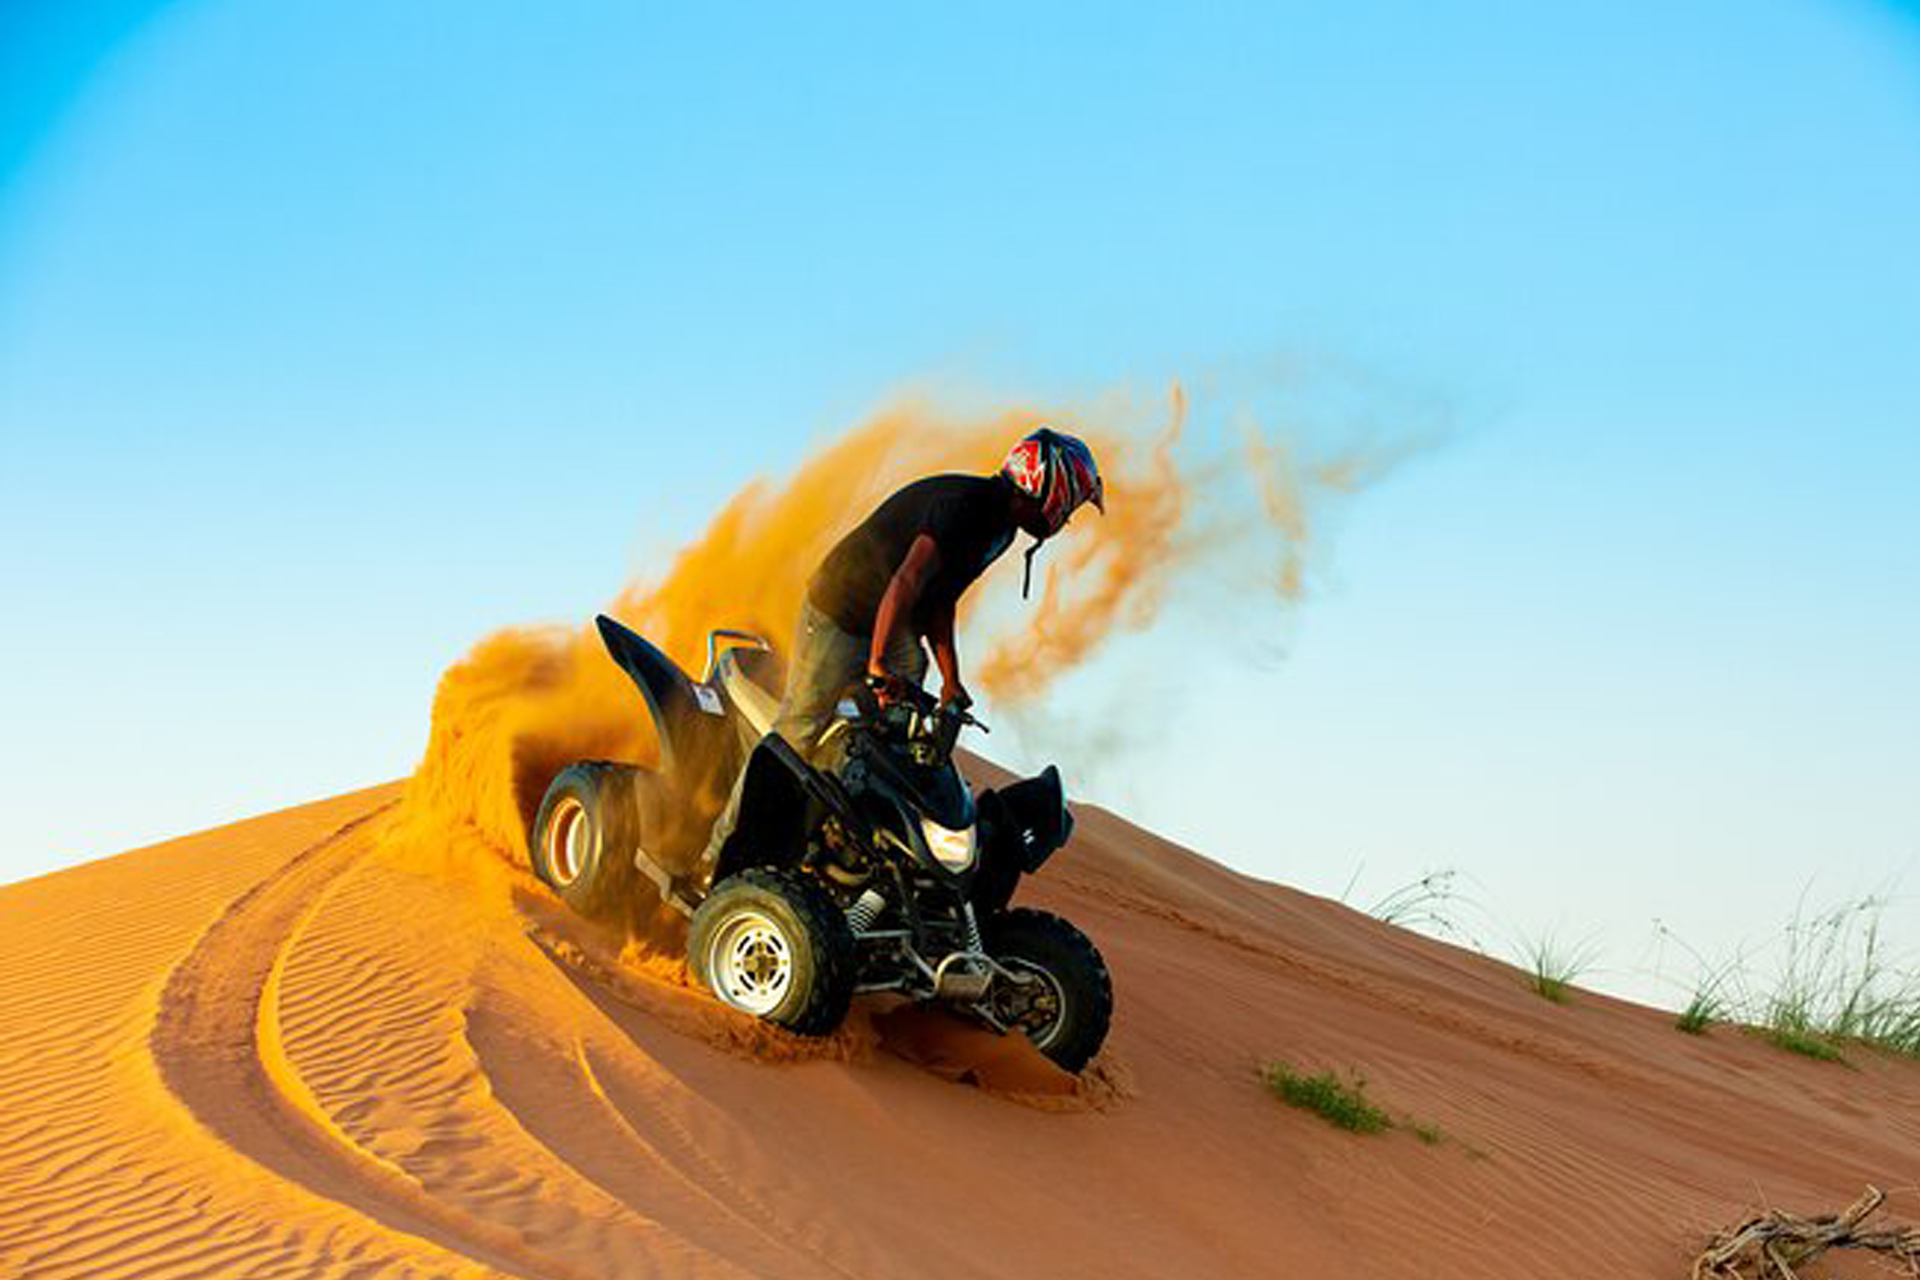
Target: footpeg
{"type": "Point", "coordinates": [963, 976]}
{"type": "Point", "coordinates": [668, 886]}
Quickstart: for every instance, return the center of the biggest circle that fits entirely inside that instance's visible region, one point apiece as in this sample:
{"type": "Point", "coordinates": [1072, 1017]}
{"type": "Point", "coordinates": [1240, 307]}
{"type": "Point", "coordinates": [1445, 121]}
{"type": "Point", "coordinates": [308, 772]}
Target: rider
{"type": "Point", "coordinates": [895, 579]}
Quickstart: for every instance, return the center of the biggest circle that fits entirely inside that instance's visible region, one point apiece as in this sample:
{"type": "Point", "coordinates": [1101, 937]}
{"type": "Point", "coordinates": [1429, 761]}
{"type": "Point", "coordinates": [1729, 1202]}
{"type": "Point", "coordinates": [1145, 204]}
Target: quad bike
{"type": "Point", "coordinates": [877, 870]}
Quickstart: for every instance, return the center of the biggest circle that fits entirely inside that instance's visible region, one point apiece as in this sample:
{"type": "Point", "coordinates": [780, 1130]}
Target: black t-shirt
{"type": "Point", "coordinates": [970, 519]}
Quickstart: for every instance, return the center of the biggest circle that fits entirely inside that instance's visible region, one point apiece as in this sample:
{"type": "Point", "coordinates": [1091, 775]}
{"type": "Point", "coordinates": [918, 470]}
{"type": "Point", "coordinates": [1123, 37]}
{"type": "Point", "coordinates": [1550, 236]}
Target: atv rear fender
{"type": "Point", "coordinates": [695, 738]}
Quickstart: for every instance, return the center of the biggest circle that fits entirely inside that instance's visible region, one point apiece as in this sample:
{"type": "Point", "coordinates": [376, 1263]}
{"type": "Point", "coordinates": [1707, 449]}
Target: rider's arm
{"type": "Point", "coordinates": [916, 569]}
{"type": "Point", "coordinates": [940, 635]}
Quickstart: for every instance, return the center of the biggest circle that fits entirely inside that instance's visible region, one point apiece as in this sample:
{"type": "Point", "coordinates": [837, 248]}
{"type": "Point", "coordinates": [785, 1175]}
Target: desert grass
{"type": "Point", "coordinates": [1839, 984]}
{"type": "Point", "coordinates": [1553, 965]}
{"type": "Point", "coordinates": [1806, 1043]}
{"type": "Point", "coordinates": [1835, 984]}
{"type": "Point", "coordinates": [1702, 1011]}
{"type": "Point", "coordinates": [1830, 980]}
{"type": "Point", "coordinates": [1435, 904]}
{"type": "Point", "coordinates": [1711, 994]}
{"type": "Point", "coordinates": [1341, 1103]}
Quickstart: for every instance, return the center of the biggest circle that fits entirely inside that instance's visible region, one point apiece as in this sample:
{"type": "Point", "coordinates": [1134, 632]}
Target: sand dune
{"type": "Point", "coordinates": [296, 1047]}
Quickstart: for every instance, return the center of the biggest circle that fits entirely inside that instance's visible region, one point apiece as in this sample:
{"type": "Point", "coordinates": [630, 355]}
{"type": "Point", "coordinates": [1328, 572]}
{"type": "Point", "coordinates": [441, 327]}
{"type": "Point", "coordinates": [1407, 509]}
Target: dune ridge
{"type": "Point", "coordinates": [296, 1046]}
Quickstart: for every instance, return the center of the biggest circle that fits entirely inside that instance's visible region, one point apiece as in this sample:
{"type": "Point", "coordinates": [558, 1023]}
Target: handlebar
{"type": "Point", "coordinates": [876, 700]}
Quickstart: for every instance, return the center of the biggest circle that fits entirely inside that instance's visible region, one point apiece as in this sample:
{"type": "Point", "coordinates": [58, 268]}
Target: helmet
{"type": "Point", "coordinates": [1056, 470]}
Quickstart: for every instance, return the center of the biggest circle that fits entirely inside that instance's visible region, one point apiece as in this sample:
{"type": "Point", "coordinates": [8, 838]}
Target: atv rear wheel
{"type": "Point", "coordinates": [774, 945]}
{"type": "Point", "coordinates": [584, 837]}
{"type": "Point", "coordinates": [1067, 1006]}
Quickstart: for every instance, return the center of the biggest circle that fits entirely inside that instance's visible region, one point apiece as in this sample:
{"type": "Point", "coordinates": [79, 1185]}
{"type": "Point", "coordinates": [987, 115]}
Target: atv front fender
{"type": "Point", "coordinates": [1030, 816]}
{"type": "Point", "coordinates": [781, 797]}
{"type": "Point", "coordinates": [1020, 828]}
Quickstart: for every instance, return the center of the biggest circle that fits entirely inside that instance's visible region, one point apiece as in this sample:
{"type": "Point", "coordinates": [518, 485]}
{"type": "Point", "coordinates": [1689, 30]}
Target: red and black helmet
{"type": "Point", "coordinates": [1058, 471]}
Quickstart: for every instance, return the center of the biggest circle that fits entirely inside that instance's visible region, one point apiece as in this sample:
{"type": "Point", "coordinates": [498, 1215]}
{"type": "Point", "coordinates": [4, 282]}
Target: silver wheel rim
{"type": "Point", "coordinates": [566, 840]}
{"type": "Point", "coordinates": [1039, 1013]}
{"type": "Point", "coordinates": [751, 961]}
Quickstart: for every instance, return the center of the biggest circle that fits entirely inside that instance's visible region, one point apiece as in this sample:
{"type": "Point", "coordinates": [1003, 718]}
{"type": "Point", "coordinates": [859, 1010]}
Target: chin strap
{"type": "Point", "coordinates": [1026, 574]}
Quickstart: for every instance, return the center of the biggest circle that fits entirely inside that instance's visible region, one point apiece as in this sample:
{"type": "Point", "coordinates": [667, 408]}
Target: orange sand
{"type": "Point", "coordinates": [290, 1047]}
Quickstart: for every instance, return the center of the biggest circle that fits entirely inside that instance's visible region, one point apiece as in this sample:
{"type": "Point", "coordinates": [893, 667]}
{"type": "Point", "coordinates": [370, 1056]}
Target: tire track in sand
{"type": "Point", "coordinates": [417, 1020]}
{"type": "Point", "coordinates": [212, 1044]}
{"type": "Point", "coordinates": [102, 1175]}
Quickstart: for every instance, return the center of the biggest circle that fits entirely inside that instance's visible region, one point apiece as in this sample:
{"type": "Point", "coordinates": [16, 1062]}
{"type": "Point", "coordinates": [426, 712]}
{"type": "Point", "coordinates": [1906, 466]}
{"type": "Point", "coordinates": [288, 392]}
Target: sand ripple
{"type": "Point", "coordinates": [298, 1047]}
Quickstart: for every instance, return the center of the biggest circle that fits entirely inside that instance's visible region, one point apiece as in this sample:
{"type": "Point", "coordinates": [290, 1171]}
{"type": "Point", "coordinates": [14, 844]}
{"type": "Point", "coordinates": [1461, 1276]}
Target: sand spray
{"type": "Point", "coordinates": [525, 702]}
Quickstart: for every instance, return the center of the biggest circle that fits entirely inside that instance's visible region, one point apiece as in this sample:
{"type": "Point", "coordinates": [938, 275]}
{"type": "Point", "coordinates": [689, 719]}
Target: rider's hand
{"type": "Point", "coordinates": [886, 686]}
{"type": "Point", "coordinates": [955, 695]}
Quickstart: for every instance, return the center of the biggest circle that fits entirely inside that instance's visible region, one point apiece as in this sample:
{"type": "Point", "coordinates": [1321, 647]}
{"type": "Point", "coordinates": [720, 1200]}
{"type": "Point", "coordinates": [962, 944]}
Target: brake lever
{"type": "Point", "coordinates": [964, 717]}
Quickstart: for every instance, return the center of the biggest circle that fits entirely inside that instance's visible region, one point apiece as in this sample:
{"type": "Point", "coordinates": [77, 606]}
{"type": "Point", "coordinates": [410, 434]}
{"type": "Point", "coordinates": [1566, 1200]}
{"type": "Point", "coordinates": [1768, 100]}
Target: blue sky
{"type": "Point", "coordinates": [335, 336]}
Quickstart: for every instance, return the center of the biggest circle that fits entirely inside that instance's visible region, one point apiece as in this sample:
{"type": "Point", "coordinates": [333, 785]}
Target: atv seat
{"type": "Point", "coordinates": [752, 679]}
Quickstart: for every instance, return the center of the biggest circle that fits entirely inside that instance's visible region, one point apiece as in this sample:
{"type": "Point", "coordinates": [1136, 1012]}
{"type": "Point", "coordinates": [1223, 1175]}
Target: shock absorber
{"type": "Point", "coordinates": [865, 910]}
{"type": "Point", "coordinates": [975, 943]}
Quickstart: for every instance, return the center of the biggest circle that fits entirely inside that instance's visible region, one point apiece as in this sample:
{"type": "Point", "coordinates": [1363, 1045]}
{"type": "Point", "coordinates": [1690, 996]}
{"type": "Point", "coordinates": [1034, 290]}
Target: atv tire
{"type": "Point", "coordinates": [586, 832]}
{"type": "Point", "coordinates": [1068, 1020]}
{"type": "Point", "coordinates": [774, 945]}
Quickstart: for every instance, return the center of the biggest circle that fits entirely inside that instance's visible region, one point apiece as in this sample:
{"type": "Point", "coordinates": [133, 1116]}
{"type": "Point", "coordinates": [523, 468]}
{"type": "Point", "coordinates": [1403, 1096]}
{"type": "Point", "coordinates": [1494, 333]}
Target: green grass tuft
{"type": "Point", "coordinates": [1427, 1133]}
{"type": "Point", "coordinates": [1832, 987]}
{"type": "Point", "coordinates": [1716, 989]}
{"type": "Point", "coordinates": [1701, 1012]}
{"type": "Point", "coordinates": [1805, 1042]}
{"type": "Point", "coordinates": [1837, 986]}
{"type": "Point", "coordinates": [1433, 905]}
{"type": "Point", "coordinates": [1552, 966]}
{"type": "Point", "coordinates": [1339, 1102]}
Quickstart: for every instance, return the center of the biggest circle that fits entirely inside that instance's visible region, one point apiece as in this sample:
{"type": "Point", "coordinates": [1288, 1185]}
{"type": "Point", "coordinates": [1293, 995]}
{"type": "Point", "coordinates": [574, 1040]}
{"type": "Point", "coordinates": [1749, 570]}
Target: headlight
{"type": "Point", "coordinates": [953, 850]}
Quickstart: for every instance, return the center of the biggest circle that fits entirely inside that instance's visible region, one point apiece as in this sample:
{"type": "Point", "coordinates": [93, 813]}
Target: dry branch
{"type": "Point", "coordinates": [1768, 1246]}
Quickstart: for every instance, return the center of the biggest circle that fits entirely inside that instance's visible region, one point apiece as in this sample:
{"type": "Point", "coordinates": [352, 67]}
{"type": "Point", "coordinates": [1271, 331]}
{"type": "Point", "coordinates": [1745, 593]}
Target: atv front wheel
{"type": "Point", "coordinates": [1067, 1002]}
{"type": "Point", "coordinates": [774, 945]}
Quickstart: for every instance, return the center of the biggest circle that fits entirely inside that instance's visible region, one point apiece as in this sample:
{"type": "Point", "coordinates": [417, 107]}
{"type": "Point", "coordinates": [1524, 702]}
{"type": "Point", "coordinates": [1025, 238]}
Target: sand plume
{"type": "Point", "coordinates": [525, 702]}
